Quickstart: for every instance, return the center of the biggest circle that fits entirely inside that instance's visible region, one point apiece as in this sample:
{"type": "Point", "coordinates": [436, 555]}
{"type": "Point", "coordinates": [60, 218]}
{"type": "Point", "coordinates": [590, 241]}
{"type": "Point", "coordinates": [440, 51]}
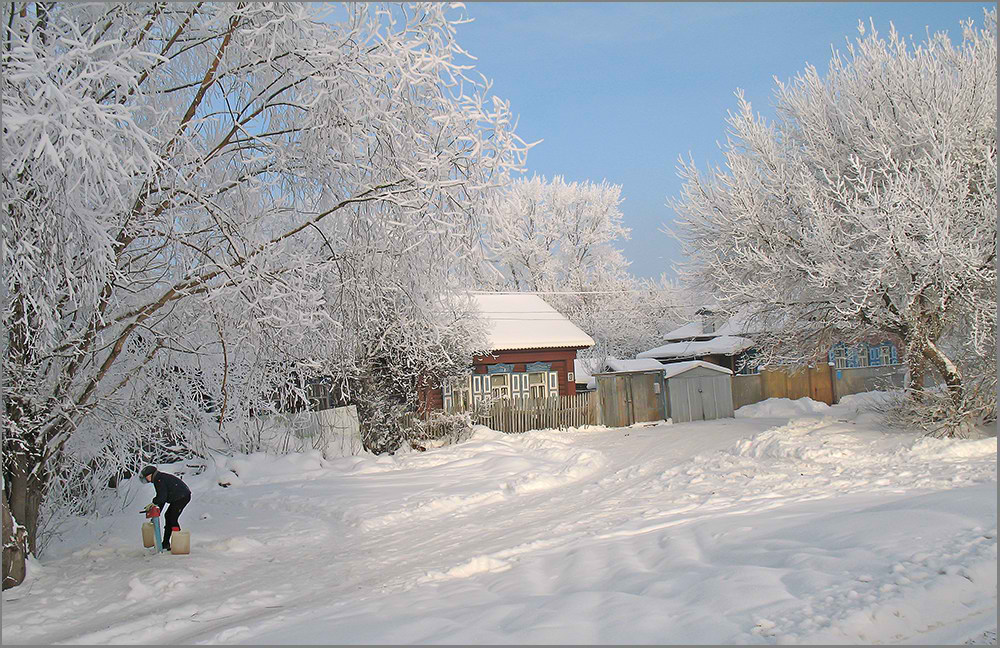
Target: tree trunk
{"type": "Point", "coordinates": [917, 365]}
{"type": "Point", "coordinates": [25, 491]}
{"type": "Point", "coordinates": [946, 368]}
{"type": "Point", "coordinates": [15, 549]}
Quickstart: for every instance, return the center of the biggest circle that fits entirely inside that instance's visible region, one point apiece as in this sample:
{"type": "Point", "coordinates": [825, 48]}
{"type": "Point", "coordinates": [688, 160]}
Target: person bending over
{"type": "Point", "coordinates": [169, 490]}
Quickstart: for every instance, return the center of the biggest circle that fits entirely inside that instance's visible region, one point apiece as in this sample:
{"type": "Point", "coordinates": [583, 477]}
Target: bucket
{"type": "Point", "coordinates": [147, 534]}
{"type": "Point", "coordinates": [180, 542]}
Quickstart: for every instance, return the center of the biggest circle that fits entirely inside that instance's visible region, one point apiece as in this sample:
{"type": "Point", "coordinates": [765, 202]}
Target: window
{"type": "Point", "coordinates": [500, 385]}
{"type": "Point", "coordinates": [536, 384]}
{"type": "Point", "coordinates": [840, 357]}
{"type": "Point", "coordinates": [747, 363]}
{"type": "Point", "coordinates": [885, 355]}
{"type": "Point", "coordinates": [461, 394]}
{"type": "Point", "coordinates": [863, 355]}
{"type": "Point", "coordinates": [319, 396]}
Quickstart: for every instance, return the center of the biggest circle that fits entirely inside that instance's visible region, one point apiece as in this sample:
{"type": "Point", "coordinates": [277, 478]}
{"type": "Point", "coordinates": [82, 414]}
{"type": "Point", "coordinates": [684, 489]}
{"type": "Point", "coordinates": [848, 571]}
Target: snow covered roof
{"type": "Point", "coordinates": [726, 344]}
{"type": "Point", "coordinates": [675, 368]}
{"type": "Point", "coordinates": [525, 321]}
{"type": "Point", "coordinates": [585, 368]}
{"type": "Point", "coordinates": [639, 364]}
{"type": "Point", "coordinates": [735, 326]}
{"type": "Point", "coordinates": [686, 332]}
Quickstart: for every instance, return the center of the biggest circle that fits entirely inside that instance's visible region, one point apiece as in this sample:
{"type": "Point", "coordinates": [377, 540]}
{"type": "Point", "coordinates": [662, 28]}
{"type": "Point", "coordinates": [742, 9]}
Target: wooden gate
{"type": "Point", "coordinates": [633, 397]}
{"type": "Point", "coordinates": [700, 394]}
{"type": "Point", "coordinates": [646, 396]}
{"type": "Point", "coordinates": [821, 384]}
{"type": "Point", "coordinates": [613, 396]}
{"type": "Point", "coordinates": [798, 382]}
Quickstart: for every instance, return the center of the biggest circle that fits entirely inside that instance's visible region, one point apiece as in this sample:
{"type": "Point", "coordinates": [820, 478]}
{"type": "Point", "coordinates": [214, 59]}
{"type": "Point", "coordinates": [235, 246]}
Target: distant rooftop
{"type": "Point", "coordinates": [725, 344]}
{"type": "Point", "coordinates": [735, 326]}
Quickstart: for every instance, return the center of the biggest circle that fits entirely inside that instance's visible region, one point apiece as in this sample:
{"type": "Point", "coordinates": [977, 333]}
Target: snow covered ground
{"type": "Point", "coordinates": [792, 523]}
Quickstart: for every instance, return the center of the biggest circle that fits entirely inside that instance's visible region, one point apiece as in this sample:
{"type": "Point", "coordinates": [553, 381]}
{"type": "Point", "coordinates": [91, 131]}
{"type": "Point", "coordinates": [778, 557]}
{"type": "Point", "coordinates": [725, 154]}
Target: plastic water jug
{"type": "Point", "coordinates": [180, 542]}
{"type": "Point", "coordinates": [147, 534]}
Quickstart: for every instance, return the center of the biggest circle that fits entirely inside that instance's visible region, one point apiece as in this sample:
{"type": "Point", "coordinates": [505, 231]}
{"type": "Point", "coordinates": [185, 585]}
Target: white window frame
{"type": "Point", "coordinates": [863, 360]}
{"type": "Point", "coordinates": [318, 395]}
{"type": "Point", "coordinates": [458, 391]}
{"type": "Point", "coordinates": [840, 357]}
{"type": "Point", "coordinates": [502, 390]}
{"type": "Point", "coordinates": [885, 355]}
{"type": "Point", "coordinates": [537, 388]}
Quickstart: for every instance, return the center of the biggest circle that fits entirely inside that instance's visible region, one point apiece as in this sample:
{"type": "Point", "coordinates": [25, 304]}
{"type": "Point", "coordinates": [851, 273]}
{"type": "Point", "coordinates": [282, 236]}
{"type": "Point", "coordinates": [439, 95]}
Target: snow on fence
{"type": "Point", "coordinates": [521, 415]}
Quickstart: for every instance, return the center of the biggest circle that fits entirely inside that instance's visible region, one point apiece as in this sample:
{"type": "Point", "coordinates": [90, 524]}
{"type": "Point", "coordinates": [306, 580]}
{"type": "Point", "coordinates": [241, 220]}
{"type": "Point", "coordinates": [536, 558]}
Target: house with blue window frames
{"type": "Point", "coordinates": [863, 354]}
{"type": "Point", "coordinates": [729, 344]}
{"type": "Point", "coordinates": [532, 353]}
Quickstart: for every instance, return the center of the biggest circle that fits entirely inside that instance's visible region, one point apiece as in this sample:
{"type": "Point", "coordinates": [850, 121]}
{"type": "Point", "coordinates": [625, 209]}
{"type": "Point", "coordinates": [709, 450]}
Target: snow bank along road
{"type": "Point", "coordinates": [815, 528]}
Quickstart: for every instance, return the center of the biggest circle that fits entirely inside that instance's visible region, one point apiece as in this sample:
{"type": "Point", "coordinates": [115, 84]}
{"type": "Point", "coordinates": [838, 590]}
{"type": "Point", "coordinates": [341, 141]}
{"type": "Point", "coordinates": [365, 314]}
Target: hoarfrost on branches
{"type": "Point", "coordinates": [869, 206]}
{"type": "Point", "coordinates": [208, 205]}
{"type": "Point", "coordinates": [559, 238]}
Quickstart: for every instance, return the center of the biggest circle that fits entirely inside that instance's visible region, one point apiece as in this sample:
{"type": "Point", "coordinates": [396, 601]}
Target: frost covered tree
{"type": "Point", "coordinates": [869, 205]}
{"type": "Point", "coordinates": [624, 316]}
{"type": "Point", "coordinates": [560, 238]}
{"type": "Point", "coordinates": [543, 235]}
{"type": "Point", "coordinates": [205, 204]}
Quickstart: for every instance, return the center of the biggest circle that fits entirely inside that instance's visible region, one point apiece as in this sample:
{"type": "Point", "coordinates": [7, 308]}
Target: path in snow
{"type": "Point", "coordinates": [754, 530]}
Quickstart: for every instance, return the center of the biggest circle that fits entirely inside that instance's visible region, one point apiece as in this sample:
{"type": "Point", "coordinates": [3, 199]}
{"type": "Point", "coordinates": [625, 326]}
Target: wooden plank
{"type": "Point", "coordinates": [821, 384]}
{"type": "Point", "coordinates": [798, 383]}
{"type": "Point", "coordinates": [774, 383]}
{"type": "Point", "coordinates": [747, 389]}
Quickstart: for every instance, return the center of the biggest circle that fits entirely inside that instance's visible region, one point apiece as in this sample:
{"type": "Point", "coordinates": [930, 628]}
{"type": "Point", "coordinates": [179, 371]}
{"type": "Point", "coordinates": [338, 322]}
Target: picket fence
{"type": "Point", "coordinates": [521, 415]}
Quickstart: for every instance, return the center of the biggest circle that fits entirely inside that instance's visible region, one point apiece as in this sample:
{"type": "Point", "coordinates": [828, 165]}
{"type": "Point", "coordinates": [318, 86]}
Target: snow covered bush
{"type": "Point", "coordinates": [934, 411]}
{"type": "Point", "coordinates": [868, 207]}
{"type": "Point", "coordinates": [200, 199]}
{"type": "Point", "coordinates": [441, 428]}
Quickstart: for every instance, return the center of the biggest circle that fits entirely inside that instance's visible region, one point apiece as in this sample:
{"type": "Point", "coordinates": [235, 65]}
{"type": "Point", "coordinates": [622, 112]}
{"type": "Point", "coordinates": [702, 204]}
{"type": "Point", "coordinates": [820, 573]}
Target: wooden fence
{"type": "Point", "coordinates": [794, 381]}
{"type": "Point", "coordinates": [799, 381]}
{"type": "Point", "coordinates": [514, 416]}
{"type": "Point", "coordinates": [821, 383]}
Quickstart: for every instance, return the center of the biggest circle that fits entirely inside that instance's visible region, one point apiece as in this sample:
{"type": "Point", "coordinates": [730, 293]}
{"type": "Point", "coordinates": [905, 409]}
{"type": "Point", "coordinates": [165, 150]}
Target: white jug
{"type": "Point", "coordinates": [180, 542]}
{"type": "Point", "coordinates": [147, 534]}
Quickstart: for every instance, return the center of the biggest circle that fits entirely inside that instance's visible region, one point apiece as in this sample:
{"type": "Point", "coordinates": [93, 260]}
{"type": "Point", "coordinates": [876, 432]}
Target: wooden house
{"type": "Point", "coordinates": [721, 343]}
{"type": "Point", "coordinates": [729, 343]}
{"type": "Point", "coordinates": [532, 349]}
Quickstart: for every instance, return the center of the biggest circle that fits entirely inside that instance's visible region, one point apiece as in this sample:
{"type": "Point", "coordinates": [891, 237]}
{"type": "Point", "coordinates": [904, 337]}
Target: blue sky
{"type": "Point", "coordinates": [618, 91]}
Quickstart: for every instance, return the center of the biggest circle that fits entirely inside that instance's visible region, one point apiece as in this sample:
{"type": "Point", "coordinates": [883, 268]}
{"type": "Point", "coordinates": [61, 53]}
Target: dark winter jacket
{"type": "Point", "coordinates": [169, 489]}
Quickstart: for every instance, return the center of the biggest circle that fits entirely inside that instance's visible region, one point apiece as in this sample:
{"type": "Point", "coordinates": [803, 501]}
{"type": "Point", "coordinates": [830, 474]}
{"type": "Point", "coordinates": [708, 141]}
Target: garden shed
{"type": "Point", "coordinates": [698, 391]}
{"type": "Point", "coordinates": [627, 397]}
